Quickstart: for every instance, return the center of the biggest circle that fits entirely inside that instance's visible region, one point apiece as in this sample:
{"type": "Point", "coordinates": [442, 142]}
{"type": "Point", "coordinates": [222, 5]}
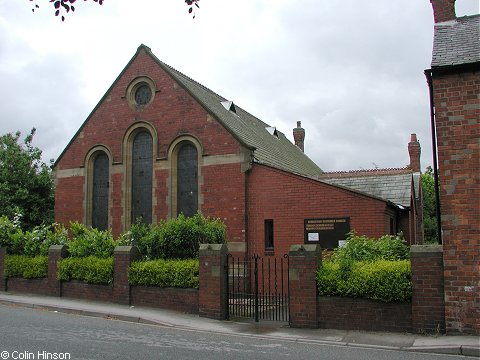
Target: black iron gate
{"type": "Point", "coordinates": [257, 288]}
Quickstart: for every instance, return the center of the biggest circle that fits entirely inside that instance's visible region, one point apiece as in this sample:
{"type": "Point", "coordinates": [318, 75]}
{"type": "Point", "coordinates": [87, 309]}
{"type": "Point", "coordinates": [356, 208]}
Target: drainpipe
{"type": "Point", "coordinates": [428, 75]}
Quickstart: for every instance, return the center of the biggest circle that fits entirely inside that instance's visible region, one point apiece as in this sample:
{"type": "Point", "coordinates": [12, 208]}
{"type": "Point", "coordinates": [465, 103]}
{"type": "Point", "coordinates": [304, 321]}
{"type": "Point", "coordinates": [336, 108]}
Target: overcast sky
{"type": "Point", "coordinates": [351, 71]}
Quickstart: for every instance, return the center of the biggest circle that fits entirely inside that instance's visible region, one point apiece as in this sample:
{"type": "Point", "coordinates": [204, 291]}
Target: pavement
{"type": "Point", "coordinates": [469, 346]}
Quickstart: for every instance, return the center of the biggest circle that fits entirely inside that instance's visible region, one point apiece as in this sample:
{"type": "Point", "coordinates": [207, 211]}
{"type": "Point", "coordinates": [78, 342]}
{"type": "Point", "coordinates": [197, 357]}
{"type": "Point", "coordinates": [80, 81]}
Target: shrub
{"type": "Point", "coordinates": [87, 241]}
{"type": "Point", "coordinates": [178, 238]}
{"type": "Point", "coordinates": [164, 273]}
{"type": "Point", "coordinates": [383, 280]}
{"type": "Point", "coordinates": [90, 269]}
{"type": "Point", "coordinates": [362, 248]}
{"type": "Point", "coordinates": [11, 234]}
{"type": "Point", "coordinates": [31, 242]}
{"type": "Point", "coordinates": [26, 267]}
{"type": "Point", "coordinates": [39, 240]}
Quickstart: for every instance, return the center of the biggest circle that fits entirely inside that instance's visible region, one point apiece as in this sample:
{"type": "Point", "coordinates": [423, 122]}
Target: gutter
{"type": "Point", "coordinates": [428, 75]}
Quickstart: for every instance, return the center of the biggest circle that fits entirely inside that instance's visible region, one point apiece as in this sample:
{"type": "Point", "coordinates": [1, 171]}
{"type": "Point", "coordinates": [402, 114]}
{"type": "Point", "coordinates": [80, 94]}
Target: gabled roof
{"type": "Point", "coordinates": [272, 149]}
{"type": "Point", "coordinates": [456, 42]}
{"type": "Point", "coordinates": [394, 185]}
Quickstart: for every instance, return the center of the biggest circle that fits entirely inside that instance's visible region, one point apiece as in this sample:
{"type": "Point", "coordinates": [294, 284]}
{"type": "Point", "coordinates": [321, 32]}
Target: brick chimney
{"type": "Point", "coordinates": [414, 151]}
{"type": "Point", "coordinates": [299, 136]}
{"type": "Point", "coordinates": [443, 10]}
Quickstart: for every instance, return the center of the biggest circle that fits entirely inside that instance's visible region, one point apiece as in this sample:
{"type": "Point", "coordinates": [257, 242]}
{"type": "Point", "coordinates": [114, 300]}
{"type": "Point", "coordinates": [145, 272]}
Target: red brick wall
{"type": "Point", "coordinates": [172, 113]}
{"type": "Point", "coordinates": [185, 300]}
{"type": "Point", "coordinates": [69, 197]}
{"type": "Point", "coordinates": [82, 290]}
{"type": "Point", "coordinates": [457, 108]}
{"type": "Point", "coordinates": [289, 199]}
{"type": "Point", "coordinates": [30, 286]}
{"type": "Point", "coordinates": [224, 197]}
{"type": "Point", "coordinates": [363, 314]}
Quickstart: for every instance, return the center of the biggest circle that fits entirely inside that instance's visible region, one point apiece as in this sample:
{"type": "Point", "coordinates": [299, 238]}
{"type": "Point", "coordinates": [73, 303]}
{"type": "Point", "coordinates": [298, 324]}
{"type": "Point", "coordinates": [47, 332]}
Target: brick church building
{"type": "Point", "coordinates": [159, 144]}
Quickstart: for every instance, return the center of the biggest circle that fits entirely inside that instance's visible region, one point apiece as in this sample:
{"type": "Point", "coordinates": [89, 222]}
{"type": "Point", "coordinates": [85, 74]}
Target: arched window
{"type": "Point", "coordinates": [187, 179]}
{"type": "Point", "coordinates": [142, 172]}
{"type": "Point", "coordinates": [100, 191]}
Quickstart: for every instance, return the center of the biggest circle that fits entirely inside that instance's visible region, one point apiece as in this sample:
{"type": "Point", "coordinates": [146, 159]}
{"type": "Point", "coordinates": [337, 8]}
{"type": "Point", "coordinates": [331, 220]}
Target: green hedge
{"type": "Point", "coordinates": [177, 238]}
{"type": "Point", "coordinates": [26, 267]}
{"type": "Point", "coordinates": [87, 241]}
{"type": "Point", "coordinates": [30, 242]}
{"type": "Point", "coordinates": [164, 273]}
{"type": "Point", "coordinates": [90, 269]}
{"type": "Point", "coordinates": [362, 248]}
{"type": "Point", "coordinates": [382, 280]}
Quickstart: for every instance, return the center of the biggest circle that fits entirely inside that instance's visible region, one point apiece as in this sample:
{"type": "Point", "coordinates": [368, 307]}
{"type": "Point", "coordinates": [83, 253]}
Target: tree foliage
{"type": "Point", "coordinates": [429, 207]}
{"type": "Point", "coordinates": [26, 185]}
{"type": "Point", "coordinates": [63, 7]}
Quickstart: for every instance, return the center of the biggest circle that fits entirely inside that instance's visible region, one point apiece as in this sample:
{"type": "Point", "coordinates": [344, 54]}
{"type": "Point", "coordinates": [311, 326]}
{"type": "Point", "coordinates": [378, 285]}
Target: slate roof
{"type": "Point", "coordinates": [456, 42]}
{"type": "Point", "coordinates": [393, 186]}
{"type": "Point", "coordinates": [274, 150]}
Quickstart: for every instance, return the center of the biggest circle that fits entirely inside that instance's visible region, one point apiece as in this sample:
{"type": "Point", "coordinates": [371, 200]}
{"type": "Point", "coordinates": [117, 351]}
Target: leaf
{"type": "Point", "coordinates": [190, 10]}
{"type": "Point", "coordinates": [72, 7]}
{"type": "Point", "coordinates": [57, 12]}
{"type": "Point", "coordinates": [57, 4]}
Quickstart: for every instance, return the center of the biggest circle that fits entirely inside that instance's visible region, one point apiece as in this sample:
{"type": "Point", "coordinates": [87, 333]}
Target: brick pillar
{"type": "Point", "coordinates": [304, 261]}
{"type": "Point", "coordinates": [122, 258]}
{"type": "Point", "coordinates": [3, 281]}
{"type": "Point", "coordinates": [428, 302]}
{"type": "Point", "coordinates": [212, 281]}
{"type": "Point", "coordinates": [55, 253]}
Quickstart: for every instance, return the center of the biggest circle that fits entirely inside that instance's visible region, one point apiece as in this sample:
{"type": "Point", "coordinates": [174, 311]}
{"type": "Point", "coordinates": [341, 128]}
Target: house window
{"type": "Point", "coordinates": [187, 179]}
{"type": "Point", "coordinates": [393, 227]}
{"type": "Point", "coordinates": [268, 234]}
{"type": "Point", "coordinates": [100, 192]}
{"type": "Point", "coordinates": [142, 172]}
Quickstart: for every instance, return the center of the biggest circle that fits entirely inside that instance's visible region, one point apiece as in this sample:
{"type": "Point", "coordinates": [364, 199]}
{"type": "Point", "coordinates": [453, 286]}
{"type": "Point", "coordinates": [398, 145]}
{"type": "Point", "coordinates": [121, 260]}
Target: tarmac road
{"type": "Point", "coordinates": [39, 334]}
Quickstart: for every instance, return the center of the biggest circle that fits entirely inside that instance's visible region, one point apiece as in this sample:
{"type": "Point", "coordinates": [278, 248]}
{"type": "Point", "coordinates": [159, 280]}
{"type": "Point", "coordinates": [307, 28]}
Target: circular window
{"type": "Point", "coordinates": [143, 94]}
{"type": "Point", "coordinates": [140, 93]}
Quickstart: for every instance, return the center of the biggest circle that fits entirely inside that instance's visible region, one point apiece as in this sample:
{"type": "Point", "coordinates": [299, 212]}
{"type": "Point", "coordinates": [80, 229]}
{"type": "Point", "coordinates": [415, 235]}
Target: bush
{"type": "Point", "coordinates": [362, 248]}
{"type": "Point", "coordinates": [87, 241]}
{"type": "Point", "coordinates": [31, 242]}
{"type": "Point", "coordinates": [178, 238]}
{"type": "Point", "coordinates": [383, 280]}
{"type": "Point", "coordinates": [26, 267]}
{"type": "Point", "coordinates": [39, 240]}
{"type": "Point", "coordinates": [90, 269]}
{"type": "Point", "coordinates": [164, 273]}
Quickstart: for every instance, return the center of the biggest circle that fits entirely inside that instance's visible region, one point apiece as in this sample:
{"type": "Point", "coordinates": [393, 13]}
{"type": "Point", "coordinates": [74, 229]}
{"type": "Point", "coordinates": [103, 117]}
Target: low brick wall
{"type": "Point", "coordinates": [185, 300]}
{"type": "Point", "coordinates": [82, 290]}
{"type": "Point", "coordinates": [30, 286]}
{"type": "Point", "coordinates": [362, 314]}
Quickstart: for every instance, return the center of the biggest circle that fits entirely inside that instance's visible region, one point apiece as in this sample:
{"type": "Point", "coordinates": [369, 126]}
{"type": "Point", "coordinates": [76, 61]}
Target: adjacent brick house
{"type": "Point", "coordinates": [159, 144]}
{"type": "Point", "coordinates": [454, 83]}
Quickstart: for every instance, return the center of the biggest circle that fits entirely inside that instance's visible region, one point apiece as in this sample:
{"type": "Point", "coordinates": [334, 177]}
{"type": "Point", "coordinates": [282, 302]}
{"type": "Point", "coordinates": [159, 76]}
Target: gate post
{"type": "Point", "coordinates": [55, 253]}
{"type": "Point", "coordinates": [304, 261]}
{"type": "Point", "coordinates": [123, 256]}
{"type": "Point", "coordinates": [428, 302]}
{"type": "Point", "coordinates": [212, 281]}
